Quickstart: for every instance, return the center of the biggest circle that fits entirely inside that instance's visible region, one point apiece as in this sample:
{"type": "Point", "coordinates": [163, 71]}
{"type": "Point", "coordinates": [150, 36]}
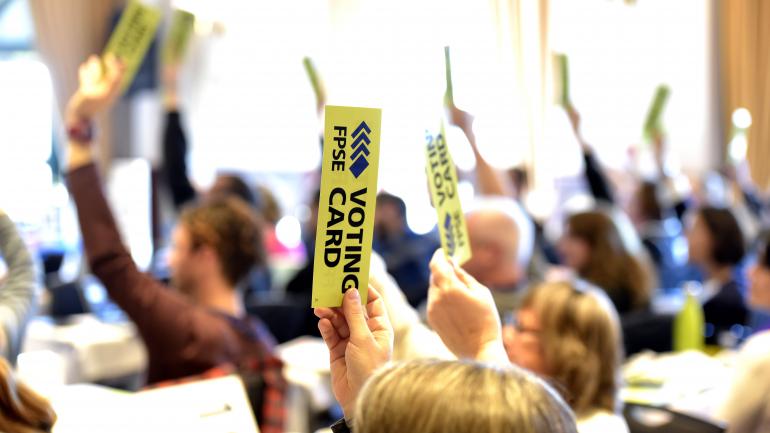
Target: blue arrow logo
{"type": "Point", "coordinates": [360, 150]}
{"type": "Point", "coordinates": [449, 233]}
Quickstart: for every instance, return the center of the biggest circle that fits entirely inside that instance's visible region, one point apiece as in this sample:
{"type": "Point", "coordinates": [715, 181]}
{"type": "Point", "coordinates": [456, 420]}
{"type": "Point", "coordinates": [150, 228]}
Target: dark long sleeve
{"type": "Point", "coordinates": [597, 181]}
{"type": "Point", "coordinates": [341, 426]}
{"type": "Point", "coordinates": [175, 160]}
{"type": "Point", "coordinates": [180, 337]}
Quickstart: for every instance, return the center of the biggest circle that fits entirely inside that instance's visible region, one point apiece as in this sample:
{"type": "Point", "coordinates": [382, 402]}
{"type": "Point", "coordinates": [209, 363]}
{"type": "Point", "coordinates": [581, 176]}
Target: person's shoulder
{"type": "Point", "coordinates": [757, 348]}
{"type": "Point", "coordinates": [602, 421]}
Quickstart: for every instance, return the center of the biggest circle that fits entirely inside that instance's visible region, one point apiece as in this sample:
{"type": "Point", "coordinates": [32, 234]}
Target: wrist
{"type": "Point", "coordinates": [348, 412]}
{"type": "Point", "coordinates": [170, 99]}
{"type": "Point", "coordinates": [493, 352]}
{"type": "Point", "coordinates": [80, 131]}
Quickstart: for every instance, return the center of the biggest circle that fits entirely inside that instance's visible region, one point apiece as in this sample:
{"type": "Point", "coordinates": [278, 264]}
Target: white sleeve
{"type": "Point", "coordinates": [413, 339]}
{"type": "Point", "coordinates": [746, 406]}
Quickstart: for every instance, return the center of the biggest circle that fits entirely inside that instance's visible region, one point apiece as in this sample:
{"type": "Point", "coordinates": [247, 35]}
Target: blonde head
{"type": "Point", "coordinates": [581, 341]}
{"type": "Point", "coordinates": [21, 409]}
{"type": "Point", "coordinates": [459, 396]}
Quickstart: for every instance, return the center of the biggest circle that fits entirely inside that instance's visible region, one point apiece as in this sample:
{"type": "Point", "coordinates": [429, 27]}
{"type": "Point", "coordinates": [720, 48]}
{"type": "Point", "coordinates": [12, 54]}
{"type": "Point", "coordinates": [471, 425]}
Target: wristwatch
{"type": "Point", "coordinates": [341, 426]}
{"type": "Point", "coordinates": [81, 131]}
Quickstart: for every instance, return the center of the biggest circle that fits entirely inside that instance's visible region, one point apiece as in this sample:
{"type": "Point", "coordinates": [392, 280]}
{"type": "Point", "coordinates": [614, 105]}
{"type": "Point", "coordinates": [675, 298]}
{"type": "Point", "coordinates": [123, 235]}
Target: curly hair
{"type": "Point", "coordinates": [233, 229]}
{"type": "Point", "coordinates": [582, 343]}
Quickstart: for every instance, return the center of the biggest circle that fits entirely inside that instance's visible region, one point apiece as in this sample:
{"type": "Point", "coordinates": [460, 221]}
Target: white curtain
{"type": "Point", "coordinates": [67, 32]}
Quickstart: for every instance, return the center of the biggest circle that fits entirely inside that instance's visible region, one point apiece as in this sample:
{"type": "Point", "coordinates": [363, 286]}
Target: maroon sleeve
{"type": "Point", "coordinates": [170, 325]}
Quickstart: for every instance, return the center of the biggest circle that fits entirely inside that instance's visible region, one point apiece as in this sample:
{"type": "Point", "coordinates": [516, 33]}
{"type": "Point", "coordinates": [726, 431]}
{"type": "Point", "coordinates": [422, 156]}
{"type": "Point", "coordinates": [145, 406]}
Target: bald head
{"type": "Point", "coordinates": [501, 237]}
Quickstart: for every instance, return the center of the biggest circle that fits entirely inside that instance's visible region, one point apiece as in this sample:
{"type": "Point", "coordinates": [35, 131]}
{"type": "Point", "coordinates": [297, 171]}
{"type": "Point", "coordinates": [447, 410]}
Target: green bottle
{"type": "Point", "coordinates": [689, 324]}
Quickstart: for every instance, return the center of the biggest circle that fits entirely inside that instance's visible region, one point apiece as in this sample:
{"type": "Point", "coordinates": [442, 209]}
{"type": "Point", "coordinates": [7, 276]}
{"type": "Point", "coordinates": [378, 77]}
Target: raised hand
{"type": "Point", "coordinates": [100, 86]}
{"type": "Point", "coordinates": [359, 341]}
{"type": "Point", "coordinates": [463, 313]}
{"type": "Point", "coordinates": [461, 119]}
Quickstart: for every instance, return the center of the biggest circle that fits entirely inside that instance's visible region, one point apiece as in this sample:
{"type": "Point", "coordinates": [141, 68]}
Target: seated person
{"type": "Point", "coordinates": [564, 333]}
{"type": "Point", "coordinates": [406, 253]}
{"type": "Point", "coordinates": [717, 246]}
{"type": "Point", "coordinates": [18, 289]}
{"type": "Point", "coordinates": [746, 408]}
{"type": "Point", "coordinates": [226, 184]}
{"type": "Point", "coordinates": [202, 324]}
{"type": "Point", "coordinates": [659, 232]}
{"type": "Point", "coordinates": [502, 239]}
{"type": "Point", "coordinates": [592, 247]}
{"type": "Point", "coordinates": [426, 396]}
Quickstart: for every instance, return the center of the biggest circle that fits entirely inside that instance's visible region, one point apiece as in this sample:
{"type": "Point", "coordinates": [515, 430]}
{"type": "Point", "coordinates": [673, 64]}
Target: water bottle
{"type": "Point", "coordinates": [689, 323]}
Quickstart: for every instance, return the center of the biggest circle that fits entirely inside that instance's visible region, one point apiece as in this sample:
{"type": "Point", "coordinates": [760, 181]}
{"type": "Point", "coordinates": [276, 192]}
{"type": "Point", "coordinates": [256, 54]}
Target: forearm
{"type": "Point", "coordinates": [489, 181]}
{"type": "Point", "coordinates": [19, 291]}
{"type": "Point", "coordinates": [174, 160]}
{"type": "Point", "coordinates": [596, 179]}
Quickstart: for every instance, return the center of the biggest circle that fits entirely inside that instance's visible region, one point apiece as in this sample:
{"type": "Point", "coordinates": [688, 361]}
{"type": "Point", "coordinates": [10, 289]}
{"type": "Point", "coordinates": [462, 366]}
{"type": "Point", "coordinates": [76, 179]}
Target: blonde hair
{"type": "Point", "coordinates": [582, 343]}
{"type": "Point", "coordinates": [21, 409]}
{"type": "Point", "coordinates": [459, 396]}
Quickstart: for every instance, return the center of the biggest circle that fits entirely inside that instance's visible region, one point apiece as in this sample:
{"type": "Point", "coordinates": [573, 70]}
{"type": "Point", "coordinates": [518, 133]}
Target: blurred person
{"type": "Point", "coordinates": [594, 174]}
{"type": "Point", "coordinates": [570, 333]}
{"type": "Point", "coordinates": [717, 247]}
{"type": "Point", "coordinates": [18, 289]}
{"type": "Point", "coordinates": [501, 239]}
{"type": "Point", "coordinates": [646, 207]}
{"type": "Point", "coordinates": [659, 232]}
{"type": "Point", "coordinates": [406, 253]}
{"type": "Point", "coordinates": [423, 395]}
{"type": "Point", "coordinates": [745, 409]}
{"type": "Point", "coordinates": [592, 247]}
{"type": "Point", "coordinates": [566, 333]}
{"type": "Point", "coordinates": [490, 182]}
{"type": "Point", "coordinates": [459, 396]}
{"type": "Point", "coordinates": [22, 410]}
{"type": "Point", "coordinates": [175, 150]}
{"type": "Point", "coordinates": [201, 325]}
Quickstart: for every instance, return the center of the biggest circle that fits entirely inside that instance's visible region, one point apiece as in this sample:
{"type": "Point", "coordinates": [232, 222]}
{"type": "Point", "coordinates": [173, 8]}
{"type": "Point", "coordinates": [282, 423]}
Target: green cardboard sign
{"type": "Point", "coordinates": [132, 37]}
{"type": "Point", "coordinates": [562, 63]}
{"type": "Point", "coordinates": [449, 97]}
{"type": "Point", "coordinates": [653, 122]}
{"type": "Point", "coordinates": [182, 28]}
{"type": "Point", "coordinates": [315, 79]}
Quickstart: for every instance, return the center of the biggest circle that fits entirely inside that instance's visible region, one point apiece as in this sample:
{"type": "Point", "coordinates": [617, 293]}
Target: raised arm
{"type": "Point", "coordinates": [175, 142]}
{"type": "Point", "coordinates": [489, 181]}
{"type": "Point", "coordinates": [163, 317]}
{"type": "Point", "coordinates": [594, 173]}
{"type": "Point", "coordinates": [18, 292]}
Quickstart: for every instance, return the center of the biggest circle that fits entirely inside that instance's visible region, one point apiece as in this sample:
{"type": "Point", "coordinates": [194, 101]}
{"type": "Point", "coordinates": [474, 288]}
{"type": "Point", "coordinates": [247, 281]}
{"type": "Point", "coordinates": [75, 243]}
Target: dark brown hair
{"type": "Point", "coordinates": [649, 201]}
{"type": "Point", "coordinates": [728, 244]}
{"type": "Point", "coordinates": [610, 266]}
{"type": "Point", "coordinates": [232, 228]}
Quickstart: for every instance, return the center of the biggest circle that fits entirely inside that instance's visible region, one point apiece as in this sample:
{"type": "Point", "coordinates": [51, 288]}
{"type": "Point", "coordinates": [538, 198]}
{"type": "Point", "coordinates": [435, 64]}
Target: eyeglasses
{"type": "Point", "coordinates": [512, 319]}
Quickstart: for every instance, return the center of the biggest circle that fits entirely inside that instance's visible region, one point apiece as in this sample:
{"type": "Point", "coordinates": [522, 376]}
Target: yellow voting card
{"type": "Point", "coordinates": [442, 178]}
{"type": "Point", "coordinates": [182, 28]}
{"type": "Point", "coordinates": [349, 169]}
{"type": "Point", "coordinates": [132, 37]}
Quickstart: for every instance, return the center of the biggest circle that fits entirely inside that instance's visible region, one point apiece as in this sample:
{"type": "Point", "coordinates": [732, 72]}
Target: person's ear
{"type": "Point", "coordinates": [206, 253]}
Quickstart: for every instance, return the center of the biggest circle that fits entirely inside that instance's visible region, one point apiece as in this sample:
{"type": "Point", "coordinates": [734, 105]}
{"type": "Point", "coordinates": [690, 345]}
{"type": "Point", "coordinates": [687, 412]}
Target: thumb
{"type": "Point", "coordinates": [465, 277]}
{"type": "Point", "coordinates": [354, 314]}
